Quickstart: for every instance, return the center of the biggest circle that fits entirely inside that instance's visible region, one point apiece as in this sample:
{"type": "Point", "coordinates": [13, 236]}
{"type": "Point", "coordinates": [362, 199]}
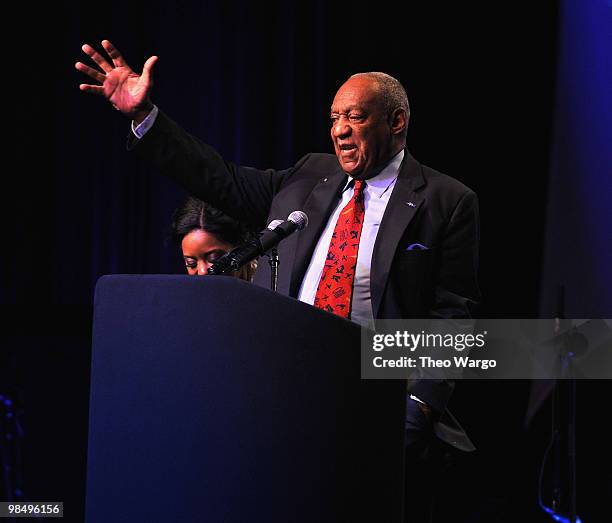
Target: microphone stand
{"type": "Point", "coordinates": [567, 355]}
{"type": "Point", "coordinates": [563, 425]}
{"type": "Point", "coordinates": [274, 263]}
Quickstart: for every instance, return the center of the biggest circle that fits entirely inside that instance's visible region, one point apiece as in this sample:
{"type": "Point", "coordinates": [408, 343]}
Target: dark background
{"type": "Point", "coordinates": [256, 82]}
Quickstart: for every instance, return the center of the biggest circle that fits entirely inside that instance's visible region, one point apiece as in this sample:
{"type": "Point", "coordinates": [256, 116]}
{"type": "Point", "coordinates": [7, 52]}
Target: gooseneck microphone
{"type": "Point", "coordinates": [267, 239]}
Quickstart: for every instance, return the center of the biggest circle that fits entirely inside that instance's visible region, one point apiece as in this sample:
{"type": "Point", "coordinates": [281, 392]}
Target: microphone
{"type": "Point", "coordinates": [274, 224]}
{"type": "Point", "coordinates": [270, 237]}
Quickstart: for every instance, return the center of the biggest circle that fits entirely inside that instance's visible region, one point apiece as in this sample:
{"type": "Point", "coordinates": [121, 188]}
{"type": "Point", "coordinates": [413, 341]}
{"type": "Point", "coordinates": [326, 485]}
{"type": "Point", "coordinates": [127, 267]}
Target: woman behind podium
{"type": "Point", "coordinates": [205, 234]}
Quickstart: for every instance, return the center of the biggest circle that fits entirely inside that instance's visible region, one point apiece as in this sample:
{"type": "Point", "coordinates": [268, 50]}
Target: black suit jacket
{"type": "Point", "coordinates": [426, 207]}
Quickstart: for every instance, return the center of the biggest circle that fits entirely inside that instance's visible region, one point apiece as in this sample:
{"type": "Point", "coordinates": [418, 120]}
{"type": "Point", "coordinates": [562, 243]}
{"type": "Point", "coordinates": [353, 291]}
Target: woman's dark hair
{"type": "Point", "coordinates": [196, 214]}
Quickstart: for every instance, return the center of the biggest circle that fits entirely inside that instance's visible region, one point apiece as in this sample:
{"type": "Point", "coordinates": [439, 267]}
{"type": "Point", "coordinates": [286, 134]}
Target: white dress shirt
{"type": "Point", "coordinates": [141, 129]}
{"type": "Point", "coordinates": [377, 193]}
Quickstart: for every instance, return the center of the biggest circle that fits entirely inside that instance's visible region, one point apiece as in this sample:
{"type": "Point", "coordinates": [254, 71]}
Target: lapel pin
{"type": "Point", "coordinates": [324, 179]}
{"type": "Point", "coordinates": [410, 204]}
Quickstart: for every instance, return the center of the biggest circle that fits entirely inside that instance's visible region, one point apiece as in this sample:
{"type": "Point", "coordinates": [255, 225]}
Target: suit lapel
{"type": "Point", "coordinates": [402, 207]}
{"type": "Point", "coordinates": [318, 207]}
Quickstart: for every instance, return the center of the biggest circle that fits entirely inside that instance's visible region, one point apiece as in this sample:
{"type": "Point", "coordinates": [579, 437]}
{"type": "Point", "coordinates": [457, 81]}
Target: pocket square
{"type": "Point", "coordinates": [417, 247]}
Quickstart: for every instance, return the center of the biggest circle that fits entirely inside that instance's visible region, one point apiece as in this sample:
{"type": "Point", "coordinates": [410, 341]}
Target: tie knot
{"type": "Point", "coordinates": [359, 186]}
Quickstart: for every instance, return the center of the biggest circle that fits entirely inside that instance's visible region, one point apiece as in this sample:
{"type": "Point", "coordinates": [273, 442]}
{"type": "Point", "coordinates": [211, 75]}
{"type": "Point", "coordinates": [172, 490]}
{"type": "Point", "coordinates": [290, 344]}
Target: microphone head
{"type": "Point", "coordinates": [299, 218]}
{"type": "Point", "coordinates": [274, 224]}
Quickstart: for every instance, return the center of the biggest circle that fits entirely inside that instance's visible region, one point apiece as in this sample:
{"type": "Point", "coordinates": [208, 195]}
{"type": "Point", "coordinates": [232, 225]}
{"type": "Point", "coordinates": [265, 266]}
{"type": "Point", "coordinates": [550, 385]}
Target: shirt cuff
{"type": "Point", "coordinates": [141, 129]}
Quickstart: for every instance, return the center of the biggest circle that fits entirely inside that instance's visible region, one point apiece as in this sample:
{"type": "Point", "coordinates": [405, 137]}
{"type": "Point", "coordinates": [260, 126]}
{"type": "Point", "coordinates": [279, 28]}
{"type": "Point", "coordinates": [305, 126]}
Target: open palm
{"type": "Point", "coordinates": [128, 91]}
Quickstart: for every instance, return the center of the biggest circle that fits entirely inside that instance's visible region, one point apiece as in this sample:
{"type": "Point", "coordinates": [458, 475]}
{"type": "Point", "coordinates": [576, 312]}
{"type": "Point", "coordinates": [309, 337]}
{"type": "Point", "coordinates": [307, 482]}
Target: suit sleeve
{"type": "Point", "coordinates": [242, 192]}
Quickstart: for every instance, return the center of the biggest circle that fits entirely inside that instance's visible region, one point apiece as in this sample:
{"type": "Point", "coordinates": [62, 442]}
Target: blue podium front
{"type": "Point", "coordinates": [214, 400]}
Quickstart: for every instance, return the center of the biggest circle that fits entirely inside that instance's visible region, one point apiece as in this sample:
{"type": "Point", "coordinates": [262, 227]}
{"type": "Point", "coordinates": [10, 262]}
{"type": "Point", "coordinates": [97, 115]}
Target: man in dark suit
{"type": "Point", "coordinates": [417, 244]}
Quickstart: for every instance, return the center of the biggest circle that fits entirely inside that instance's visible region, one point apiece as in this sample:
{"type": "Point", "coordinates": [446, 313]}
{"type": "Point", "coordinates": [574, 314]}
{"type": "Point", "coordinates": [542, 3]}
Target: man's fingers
{"type": "Point", "coordinates": [93, 89]}
{"type": "Point", "coordinates": [114, 54]}
{"type": "Point", "coordinates": [90, 71]}
{"type": "Point", "coordinates": [97, 57]}
{"type": "Point", "coordinates": [147, 68]}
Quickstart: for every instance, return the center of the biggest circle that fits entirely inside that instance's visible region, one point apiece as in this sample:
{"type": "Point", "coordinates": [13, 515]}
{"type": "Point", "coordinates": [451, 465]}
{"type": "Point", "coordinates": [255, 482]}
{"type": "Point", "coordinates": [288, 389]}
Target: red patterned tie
{"type": "Point", "coordinates": [336, 285]}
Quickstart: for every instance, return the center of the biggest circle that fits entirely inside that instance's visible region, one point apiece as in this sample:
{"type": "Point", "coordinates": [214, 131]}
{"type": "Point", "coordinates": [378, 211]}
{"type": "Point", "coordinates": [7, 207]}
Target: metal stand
{"type": "Point", "coordinates": [563, 437]}
{"type": "Point", "coordinates": [568, 352]}
{"type": "Point", "coordinates": [274, 263]}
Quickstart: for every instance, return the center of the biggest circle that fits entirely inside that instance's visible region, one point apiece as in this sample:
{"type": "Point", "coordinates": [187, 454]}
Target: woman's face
{"type": "Point", "coordinates": [200, 250]}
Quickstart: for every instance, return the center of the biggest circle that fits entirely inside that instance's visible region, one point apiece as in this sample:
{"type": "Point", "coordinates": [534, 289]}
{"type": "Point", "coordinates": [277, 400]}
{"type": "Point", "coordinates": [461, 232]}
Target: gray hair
{"type": "Point", "coordinates": [393, 94]}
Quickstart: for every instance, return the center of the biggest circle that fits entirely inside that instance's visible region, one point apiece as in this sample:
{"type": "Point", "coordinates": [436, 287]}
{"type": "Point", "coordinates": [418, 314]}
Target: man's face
{"type": "Point", "coordinates": [360, 129]}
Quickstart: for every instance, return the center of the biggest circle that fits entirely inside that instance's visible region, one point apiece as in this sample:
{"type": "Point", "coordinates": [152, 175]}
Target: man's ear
{"type": "Point", "coordinates": [398, 121]}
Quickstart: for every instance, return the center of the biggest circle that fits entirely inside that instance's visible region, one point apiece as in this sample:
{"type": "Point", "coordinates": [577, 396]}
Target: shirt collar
{"type": "Point", "coordinates": [379, 184]}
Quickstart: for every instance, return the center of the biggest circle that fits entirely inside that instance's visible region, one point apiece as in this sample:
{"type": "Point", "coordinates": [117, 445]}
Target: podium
{"type": "Point", "coordinates": [214, 400]}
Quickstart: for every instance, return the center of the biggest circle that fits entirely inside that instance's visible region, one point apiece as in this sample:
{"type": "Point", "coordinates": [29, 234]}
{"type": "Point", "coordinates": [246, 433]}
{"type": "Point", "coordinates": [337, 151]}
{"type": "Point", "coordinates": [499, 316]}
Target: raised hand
{"type": "Point", "coordinates": [126, 90]}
